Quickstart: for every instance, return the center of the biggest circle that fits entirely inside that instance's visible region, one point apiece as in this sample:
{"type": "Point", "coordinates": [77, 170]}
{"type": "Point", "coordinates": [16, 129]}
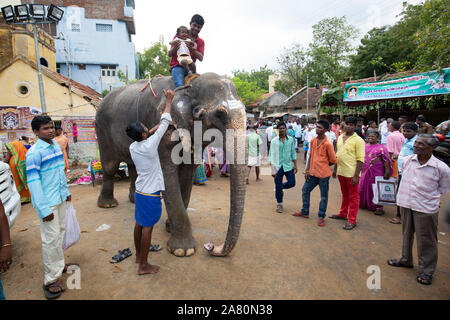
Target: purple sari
{"type": "Point", "coordinates": [370, 171]}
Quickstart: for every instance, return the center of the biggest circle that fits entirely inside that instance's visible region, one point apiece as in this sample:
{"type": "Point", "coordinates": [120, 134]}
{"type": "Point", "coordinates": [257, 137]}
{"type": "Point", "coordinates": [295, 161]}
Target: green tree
{"type": "Point", "coordinates": [419, 40]}
{"type": "Point", "coordinates": [292, 62]}
{"type": "Point", "coordinates": [248, 92]}
{"type": "Point", "coordinates": [330, 50]}
{"type": "Point", "coordinates": [433, 36]}
{"type": "Point", "coordinates": [261, 76]}
{"type": "Point", "coordinates": [154, 60]}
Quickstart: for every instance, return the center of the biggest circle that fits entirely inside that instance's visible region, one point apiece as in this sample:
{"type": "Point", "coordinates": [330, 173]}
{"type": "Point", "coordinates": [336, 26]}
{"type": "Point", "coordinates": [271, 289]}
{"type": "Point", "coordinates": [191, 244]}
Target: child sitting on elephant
{"type": "Point", "coordinates": [183, 53]}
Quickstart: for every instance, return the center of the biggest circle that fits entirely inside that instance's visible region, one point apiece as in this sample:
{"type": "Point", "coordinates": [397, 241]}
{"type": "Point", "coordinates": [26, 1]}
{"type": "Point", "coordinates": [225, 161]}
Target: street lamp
{"type": "Point", "coordinates": [33, 14]}
{"type": "Point", "coordinates": [8, 14]}
{"type": "Point", "coordinates": [54, 13]}
{"type": "Point", "coordinates": [22, 12]}
{"type": "Point", "coordinates": [37, 11]}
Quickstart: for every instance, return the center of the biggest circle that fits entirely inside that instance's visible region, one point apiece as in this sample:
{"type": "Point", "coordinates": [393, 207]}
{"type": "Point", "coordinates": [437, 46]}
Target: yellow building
{"type": "Point", "coordinates": [19, 86]}
{"type": "Point", "coordinates": [15, 41]}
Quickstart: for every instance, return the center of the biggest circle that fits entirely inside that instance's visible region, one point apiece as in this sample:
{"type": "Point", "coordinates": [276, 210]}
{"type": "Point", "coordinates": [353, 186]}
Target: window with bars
{"type": "Point", "coordinates": [101, 27]}
{"type": "Point", "coordinates": [76, 27]}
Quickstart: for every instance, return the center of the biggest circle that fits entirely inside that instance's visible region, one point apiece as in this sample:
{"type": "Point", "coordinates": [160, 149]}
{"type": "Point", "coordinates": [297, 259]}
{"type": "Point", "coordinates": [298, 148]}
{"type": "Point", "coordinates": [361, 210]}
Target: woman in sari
{"type": "Point", "coordinates": [377, 163]}
{"type": "Point", "coordinates": [200, 175]}
{"type": "Point", "coordinates": [15, 155]}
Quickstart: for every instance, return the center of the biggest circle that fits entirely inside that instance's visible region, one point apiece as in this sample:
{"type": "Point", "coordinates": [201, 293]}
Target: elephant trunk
{"type": "Point", "coordinates": [237, 184]}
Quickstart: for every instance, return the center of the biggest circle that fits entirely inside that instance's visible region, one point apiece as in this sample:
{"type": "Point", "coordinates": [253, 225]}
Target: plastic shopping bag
{"type": "Point", "coordinates": [384, 191]}
{"type": "Point", "coordinates": [72, 234]}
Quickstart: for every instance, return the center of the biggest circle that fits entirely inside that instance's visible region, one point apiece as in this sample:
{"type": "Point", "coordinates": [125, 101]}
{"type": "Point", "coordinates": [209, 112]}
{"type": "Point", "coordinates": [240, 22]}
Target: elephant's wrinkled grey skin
{"type": "Point", "coordinates": [209, 98]}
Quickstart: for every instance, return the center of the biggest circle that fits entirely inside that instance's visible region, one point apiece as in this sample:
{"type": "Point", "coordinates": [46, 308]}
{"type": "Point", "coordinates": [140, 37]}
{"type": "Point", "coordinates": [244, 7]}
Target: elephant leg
{"type": "Point", "coordinates": [106, 198]}
{"type": "Point", "coordinates": [133, 176]}
{"type": "Point", "coordinates": [181, 242]}
{"type": "Point", "coordinates": [185, 178]}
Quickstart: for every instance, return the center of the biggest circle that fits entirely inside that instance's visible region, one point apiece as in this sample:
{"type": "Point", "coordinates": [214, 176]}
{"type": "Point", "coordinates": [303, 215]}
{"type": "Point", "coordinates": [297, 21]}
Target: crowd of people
{"type": "Point", "coordinates": [359, 154]}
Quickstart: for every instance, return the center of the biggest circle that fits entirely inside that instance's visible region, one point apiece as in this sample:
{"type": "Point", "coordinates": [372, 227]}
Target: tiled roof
{"type": "Point", "coordinates": [264, 96]}
{"type": "Point", "coordinates": [86, 92]}
{"type": "Point", "coordinates": [299, 101]}
{"type": "Point", "coordinates": [83, 91]}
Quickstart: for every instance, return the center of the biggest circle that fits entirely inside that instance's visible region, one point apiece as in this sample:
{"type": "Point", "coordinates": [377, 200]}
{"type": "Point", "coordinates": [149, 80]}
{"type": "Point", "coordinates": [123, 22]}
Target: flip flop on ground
{"type": "Point", "coordinates": [424, 279]}
{"type": "Point", "coordinates": [299, 214]}
{"type": "Point", "coordinates": [349, 226]}
{"type": "Point", "coordinates": [321, 222]}
{"type": "Point", "coordinates": [395, 221]}
{"type": "Point", "coordinates": [337, 217]}
{"type": "Point", "coordinates": [155, 247]}
{"type": "Point", "coordinates": [123, 254]}
{"type": "Point", "coordinates": [398, 263]}
{"type": "Point", "coordinates": [49, 294]}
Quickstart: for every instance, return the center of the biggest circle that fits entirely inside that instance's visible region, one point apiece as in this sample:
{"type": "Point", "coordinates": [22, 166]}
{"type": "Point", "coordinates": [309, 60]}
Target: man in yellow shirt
{"type": "Point", "coordinates": [350, 159]}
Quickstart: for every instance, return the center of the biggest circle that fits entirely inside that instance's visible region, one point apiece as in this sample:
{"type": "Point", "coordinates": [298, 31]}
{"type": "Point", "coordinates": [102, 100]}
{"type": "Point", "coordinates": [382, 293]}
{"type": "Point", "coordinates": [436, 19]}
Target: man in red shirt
{"type": "Point", "coordinates": [177, 71]}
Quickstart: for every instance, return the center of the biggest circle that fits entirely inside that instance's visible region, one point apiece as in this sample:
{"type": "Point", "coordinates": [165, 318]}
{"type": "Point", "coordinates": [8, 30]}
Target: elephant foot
{"type": "Point", "coordinates": [107, 202]}
{"type": "Point", "coordinates": [181, 247]}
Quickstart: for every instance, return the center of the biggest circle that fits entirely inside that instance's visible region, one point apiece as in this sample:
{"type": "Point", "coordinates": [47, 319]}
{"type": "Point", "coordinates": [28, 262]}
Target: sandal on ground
{"type": "Point", "coordinates": [338, 217]}
{"type": "Point", "coordinates": [68, 266]}
{"type": "Point", "coordinates": [349, 226]}
{"type": "Point", "coordinates": [123, 254]}
{"type": "Point", "coordinates": [395, 221]}
{"type": "Point", "coordinates": [379, 212]}
{"type": "Point", "coordinates": [155, 247]}
{"type": "Point", "coordinates": [398, 263]}
{"type": "Point", "coordinates": [299, 214]}
{"type": "Point", "coordinates": [424, 279]}
{"type": "Point", "coordinates": [52, 295]}
{"type": "Point", "coordinates": [321, 222]}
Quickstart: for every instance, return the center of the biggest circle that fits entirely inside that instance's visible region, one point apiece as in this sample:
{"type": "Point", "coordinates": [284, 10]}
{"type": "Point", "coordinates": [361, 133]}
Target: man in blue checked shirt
{"type": "Point", "coordinates": [49, 193]}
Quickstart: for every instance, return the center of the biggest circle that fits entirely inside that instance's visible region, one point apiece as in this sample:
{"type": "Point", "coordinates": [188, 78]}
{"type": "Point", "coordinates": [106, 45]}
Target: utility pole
{"type": "Point", "coordinates": [38, 63]}
{"type": "Point", "coordinates": [68, 72]}
{"type": "Point", "coordinates": [307, 97]}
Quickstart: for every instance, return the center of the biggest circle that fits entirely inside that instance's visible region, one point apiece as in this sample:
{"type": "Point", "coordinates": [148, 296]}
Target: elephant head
{"type": "Point", "coordinates": [215, 103]}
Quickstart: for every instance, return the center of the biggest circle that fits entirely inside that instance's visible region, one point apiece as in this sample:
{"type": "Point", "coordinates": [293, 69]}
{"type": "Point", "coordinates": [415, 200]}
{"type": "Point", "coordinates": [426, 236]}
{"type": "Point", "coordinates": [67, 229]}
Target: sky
{"type": "Point", "coordinates": [248, 34]}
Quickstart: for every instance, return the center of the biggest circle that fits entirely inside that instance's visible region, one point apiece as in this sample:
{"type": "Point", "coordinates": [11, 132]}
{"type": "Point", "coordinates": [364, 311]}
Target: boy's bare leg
{"type": "Point", "coordinates": [144, 266]}
{"type": "Point", "coordinates": [137, 240]}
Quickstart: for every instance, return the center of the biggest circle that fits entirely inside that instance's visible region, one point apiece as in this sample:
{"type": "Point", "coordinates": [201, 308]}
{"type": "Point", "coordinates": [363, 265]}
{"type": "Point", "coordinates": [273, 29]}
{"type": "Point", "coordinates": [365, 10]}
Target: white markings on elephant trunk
{"type": "Point", "coordinates": [180, 105]}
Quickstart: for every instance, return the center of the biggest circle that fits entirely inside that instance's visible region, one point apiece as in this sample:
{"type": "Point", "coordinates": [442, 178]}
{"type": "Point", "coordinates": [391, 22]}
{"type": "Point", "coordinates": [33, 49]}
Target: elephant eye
{"type": "Point", "coordinates": [221, 114]}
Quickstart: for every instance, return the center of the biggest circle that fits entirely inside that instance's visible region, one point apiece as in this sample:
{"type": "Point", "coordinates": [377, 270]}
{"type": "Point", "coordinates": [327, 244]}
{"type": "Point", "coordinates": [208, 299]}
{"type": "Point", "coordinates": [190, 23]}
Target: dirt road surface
{"type": "Point", "coordinates": [278, 256]}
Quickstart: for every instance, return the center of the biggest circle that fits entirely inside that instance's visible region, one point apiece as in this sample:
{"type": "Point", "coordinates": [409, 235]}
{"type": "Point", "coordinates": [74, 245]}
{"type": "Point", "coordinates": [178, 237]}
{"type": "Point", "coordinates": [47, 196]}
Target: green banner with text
{"type": "Point", "coordinates": [421, 84]}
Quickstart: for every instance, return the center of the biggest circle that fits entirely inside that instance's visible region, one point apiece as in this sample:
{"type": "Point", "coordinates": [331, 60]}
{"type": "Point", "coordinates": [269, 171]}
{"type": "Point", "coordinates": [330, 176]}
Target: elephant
{"type": "Point", "coordinates": [209, 99]}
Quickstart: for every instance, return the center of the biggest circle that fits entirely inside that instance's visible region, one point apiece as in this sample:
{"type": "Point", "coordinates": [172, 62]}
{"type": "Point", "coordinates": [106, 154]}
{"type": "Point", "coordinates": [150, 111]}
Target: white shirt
{"type": "Point", "coordinates": [297, 130]}
{"type": "Point", "coordinates": [384, 132]}
{"type": "Point", "coordinates": [269, 132]}
{"type": "Point", "coordinates": [146, 159]}
{"type": "Point", "coordinates": [331, 136]}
